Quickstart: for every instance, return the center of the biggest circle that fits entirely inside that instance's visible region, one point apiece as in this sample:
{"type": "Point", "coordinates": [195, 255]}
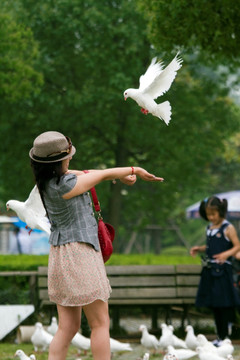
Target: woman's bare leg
{"type": "Point", "coordinates": [98, 320]}
{"type": "Point", "coordinates": [69, 320]}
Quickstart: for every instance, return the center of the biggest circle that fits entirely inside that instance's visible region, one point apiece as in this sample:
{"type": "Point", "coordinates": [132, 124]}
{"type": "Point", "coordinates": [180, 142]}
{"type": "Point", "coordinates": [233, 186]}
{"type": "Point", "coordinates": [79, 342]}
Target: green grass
{"type": "Point", "coordinates": [171, 256]}
{"type": "Point", "coordinates": [7, 351]}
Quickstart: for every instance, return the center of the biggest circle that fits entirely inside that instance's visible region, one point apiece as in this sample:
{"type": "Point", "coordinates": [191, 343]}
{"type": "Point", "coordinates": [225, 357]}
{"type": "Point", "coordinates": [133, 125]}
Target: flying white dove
{"type": "Point", "coordinates": [22, 356]}
{"type": "Point", "coordinates": [147, 340]}
{"type": "Point", "coordinates": [116, 346]}
{"type": "Point", "coordinates": [52, 328]}
{"type": "Point", "coordinates": [40, 337]}
{"type": "Point", "coordinates": [32, 211]}
{"type": "Point", "coordinates": [191, 339]}
{"type": "Point", "coordinates": [154, 83]}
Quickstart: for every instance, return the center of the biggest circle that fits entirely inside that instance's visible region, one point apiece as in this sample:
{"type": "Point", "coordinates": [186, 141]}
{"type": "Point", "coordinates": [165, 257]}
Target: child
{"type": "Point", "coordinates": [216, 289]}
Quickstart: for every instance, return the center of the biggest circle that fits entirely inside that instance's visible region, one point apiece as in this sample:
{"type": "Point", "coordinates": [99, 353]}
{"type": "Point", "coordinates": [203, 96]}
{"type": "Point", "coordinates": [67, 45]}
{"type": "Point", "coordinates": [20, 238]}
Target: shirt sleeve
{"type": "Point", "coordinates": [67, 183]}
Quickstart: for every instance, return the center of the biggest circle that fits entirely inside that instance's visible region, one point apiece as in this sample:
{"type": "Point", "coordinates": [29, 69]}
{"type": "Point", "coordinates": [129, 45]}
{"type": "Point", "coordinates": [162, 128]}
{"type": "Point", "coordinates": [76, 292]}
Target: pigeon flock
{"type": "Point", "coordinates": [168, 346]}
{"type": "Point", "coordinates": [178, 349]}
{"type": "Point", "coordinates": [42, 338]}
{"type": "Point", "coordinates": [154, 83]}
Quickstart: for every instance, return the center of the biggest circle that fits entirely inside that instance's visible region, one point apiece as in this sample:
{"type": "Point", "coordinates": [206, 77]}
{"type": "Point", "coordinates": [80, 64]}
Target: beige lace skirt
{"type": "Point", "coordinates": [76, 275]}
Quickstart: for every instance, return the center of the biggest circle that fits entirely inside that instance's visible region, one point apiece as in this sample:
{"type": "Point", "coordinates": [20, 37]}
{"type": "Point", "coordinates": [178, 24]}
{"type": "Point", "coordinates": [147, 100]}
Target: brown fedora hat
{"type": "Point", "coordinates": [51, 146]}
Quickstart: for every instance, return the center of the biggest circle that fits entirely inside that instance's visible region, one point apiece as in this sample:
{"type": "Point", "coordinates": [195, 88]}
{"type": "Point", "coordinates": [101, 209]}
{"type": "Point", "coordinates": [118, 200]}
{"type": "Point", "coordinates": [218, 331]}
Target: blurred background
{"type": "Point", "coordinates": [64, 66]}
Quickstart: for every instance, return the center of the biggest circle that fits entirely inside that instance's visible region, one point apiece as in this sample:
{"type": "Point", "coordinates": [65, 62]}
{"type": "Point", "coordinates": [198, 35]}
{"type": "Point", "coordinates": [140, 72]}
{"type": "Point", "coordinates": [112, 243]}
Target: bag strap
{"type": "Point", "coordinates": [95, 198]}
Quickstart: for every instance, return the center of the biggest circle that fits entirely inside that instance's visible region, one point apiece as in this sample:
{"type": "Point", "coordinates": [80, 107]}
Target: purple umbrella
{"type": "Point", "coordinates": [233, 198]}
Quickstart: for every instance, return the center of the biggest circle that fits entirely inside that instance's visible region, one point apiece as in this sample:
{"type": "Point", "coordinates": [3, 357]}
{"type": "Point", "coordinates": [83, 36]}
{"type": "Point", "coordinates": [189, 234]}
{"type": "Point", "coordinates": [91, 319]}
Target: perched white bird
{"type": "Point", "coordinates": [32, 211]}
{"type": "Point", "coordinates": [146, 356]}
{"type": "Point", "coordinates": [40, 338]}
{"type": "Point", "coordinates": [206, 354]}
{"type": "Point", "coordinates": [205, 344]}
{"type": "Point", "coordinates": [176, 341]}
{"type": "Point", "coordinates": [52, 328]}
{"type": "Point", "coordinates": [226, 348]}
{"type": "Point", "coordinates": [154, 83]}
{"type": "Point", "coordinates": [181, 354]}
{"type": "Point", "coordinates": [81, 342]}
{"type": "Point", "coordinates": [191, 339]}
{"type": "Point", "coordinates": [147, 340]}
{"type": "Point", "coordinates": [22, 356]}
{"type": "Point", "coordinates": [117, 346]}
{"type": "Point", "coordinates": [167, 337]}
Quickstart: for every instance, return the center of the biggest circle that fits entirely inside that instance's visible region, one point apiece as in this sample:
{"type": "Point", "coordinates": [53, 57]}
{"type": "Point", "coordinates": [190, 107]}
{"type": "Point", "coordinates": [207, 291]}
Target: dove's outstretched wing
{"type": "Point", "coordinates": [164, 79]}
{"type": "Point", "coordinates": [154, 70]}
{"type": "Point", "coordinates": [34, 202]}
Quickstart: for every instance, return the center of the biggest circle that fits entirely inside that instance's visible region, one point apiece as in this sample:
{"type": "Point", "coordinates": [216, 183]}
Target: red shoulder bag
{"type": "Point", "coordinates": [106, 231]}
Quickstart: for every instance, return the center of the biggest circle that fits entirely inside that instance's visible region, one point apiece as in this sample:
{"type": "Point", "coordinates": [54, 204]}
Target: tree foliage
{"type": "Point", "coordinates": [211, 25]}
{"type": "Point", "coordinates": [18, 78]}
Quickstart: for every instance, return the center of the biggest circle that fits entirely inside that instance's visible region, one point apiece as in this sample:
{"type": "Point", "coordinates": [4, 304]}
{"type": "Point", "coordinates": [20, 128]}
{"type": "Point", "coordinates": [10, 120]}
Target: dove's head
{"type": "Point", "coordinates": [11, 204]}
{"type": "Point", "coordinates": [130, 93]}
{"type": "Point", "coordinates": [142, 327]}
{"type": "Point", "coordinates": [19, 353]}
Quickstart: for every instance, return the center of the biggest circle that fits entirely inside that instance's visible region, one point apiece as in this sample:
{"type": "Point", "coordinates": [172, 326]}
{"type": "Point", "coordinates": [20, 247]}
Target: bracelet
{"type": "Point", "coordinates": [132, 170]}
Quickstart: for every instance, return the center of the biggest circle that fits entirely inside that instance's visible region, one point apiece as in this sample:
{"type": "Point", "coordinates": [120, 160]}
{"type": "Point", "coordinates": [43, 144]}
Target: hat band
{"type": "Point", "coordinates": [56, 157]}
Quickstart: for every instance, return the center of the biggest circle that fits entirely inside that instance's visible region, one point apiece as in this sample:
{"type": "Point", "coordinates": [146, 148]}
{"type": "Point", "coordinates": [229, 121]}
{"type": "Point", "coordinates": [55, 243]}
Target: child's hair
{"type": "Point", "coordinates": [216, 204]}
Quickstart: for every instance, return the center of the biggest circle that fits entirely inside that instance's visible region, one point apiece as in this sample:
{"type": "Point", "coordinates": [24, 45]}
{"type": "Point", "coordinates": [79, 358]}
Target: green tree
{"type": "Point", "coordinates": [18, 78]}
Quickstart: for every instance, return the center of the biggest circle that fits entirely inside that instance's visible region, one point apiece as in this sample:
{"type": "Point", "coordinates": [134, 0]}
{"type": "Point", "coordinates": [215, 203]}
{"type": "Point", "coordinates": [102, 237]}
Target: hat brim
{"type": "Point", "coordinates": [48, 159]}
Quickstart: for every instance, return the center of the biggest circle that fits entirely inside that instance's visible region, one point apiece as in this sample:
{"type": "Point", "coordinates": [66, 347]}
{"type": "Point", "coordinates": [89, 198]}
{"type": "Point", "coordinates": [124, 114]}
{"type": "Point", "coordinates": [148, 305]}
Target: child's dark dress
{"type": "Point", "coordinates": [216, 288]}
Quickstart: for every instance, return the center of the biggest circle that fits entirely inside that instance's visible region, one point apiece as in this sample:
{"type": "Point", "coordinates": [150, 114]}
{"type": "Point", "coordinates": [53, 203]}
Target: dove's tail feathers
{"type": "Point", "coordinates": [163, 111]}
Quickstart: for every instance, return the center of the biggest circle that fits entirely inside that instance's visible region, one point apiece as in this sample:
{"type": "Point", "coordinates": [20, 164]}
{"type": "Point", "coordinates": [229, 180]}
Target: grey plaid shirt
{"type": "Point", "coordinates": [71, 220]}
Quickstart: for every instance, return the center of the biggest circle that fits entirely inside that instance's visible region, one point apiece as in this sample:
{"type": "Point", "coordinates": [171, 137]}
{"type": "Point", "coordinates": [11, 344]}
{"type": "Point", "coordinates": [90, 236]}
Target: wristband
{"type": "Point", "coordinates": [132, 170]}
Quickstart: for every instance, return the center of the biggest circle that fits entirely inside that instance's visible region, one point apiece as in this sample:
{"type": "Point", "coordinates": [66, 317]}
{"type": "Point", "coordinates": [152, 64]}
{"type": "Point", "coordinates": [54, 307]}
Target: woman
{"type": "Point", "coordinates": [76, 274]}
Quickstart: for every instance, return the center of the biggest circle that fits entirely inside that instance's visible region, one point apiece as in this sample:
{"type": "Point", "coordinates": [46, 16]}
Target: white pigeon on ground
{"type": "Point", "coordinates": [166, 337]}
{"type": "Point", "coordinates": [154, 83]}
{"type": "Point", "coordinates": [177, 342]}
{"type": "Point", "coordinates": [191, 340]}
{"type": "Point", "coordinates": [181, 354]}
{"type": "Point", "coordinates": [41, 338]}
{"type": "Point", "coordinates": [21, 354]}
{"type": "Point", "coordinates": [52, 328]}
{"type": "Point", "coordinates": [32, 357]}
{"type": "Point", "coordinates": [205, 344]}
{"type": "Point", "coordinates": [32, 211]}
{"type": "Point", "coordinates": [117, 346]}
{"type": "Point", "coordinates": [81, 342]}
{"type": "Point", "coordinates": [226, 348]}
{"type": "Point", "coordinates": [206, 354]}
{"type": "Point", "coordinates": [146, 356]}
{"type": "Point", "coordinates": [148, 340]}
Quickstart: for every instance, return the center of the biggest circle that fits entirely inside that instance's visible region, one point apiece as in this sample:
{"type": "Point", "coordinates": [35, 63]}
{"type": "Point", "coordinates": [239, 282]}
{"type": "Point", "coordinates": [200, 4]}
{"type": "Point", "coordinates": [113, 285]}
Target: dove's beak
{"type": "Point", "coordinates": [125, 98]}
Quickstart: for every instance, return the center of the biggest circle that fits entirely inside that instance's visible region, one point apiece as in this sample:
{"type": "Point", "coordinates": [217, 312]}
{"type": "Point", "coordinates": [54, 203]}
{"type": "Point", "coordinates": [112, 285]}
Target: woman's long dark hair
{"type": "Point", "coordinates": [43, 172]}
{"type": "Point", "coordinates": [215, 203]}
